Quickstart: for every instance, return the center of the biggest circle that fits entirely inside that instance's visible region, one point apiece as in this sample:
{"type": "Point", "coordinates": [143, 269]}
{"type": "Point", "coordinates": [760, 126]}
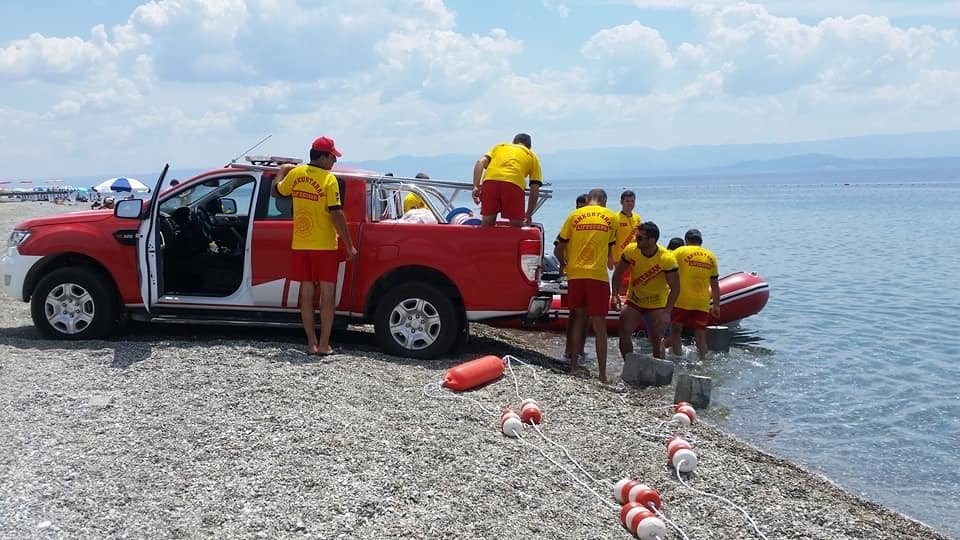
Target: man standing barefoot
{"type": "Point", "coordinates": [585, 247]}
{"type": "Point", "coordinates": [317, 220]}
{"type": "Point", "coordinates": [653, 291]}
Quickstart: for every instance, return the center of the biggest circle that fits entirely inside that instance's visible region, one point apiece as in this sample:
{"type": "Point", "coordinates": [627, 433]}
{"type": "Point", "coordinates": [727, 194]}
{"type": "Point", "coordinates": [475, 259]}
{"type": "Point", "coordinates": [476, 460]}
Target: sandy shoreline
{"type": "Point", "coordinates": [173, 432]}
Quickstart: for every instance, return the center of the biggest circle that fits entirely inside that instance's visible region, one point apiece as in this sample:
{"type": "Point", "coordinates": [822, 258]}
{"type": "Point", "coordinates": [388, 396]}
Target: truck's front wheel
{"type": "Point", "coordinates": [416, 320]}
{"type": "Point", "coordinates": [73, 303]}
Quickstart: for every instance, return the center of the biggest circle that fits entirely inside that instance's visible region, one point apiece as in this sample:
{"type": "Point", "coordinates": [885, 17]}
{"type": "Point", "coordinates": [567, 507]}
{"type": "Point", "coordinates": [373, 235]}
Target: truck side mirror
{"type": "Point", "coordinates": [228, 206]}
{"type": "Point", "coordinates": [128, 209]}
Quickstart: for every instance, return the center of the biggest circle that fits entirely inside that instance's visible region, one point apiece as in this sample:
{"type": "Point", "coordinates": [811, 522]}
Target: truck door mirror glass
{"type": "Point", "coordinates": [128, 209]}
{"type": "Point", "coordinates": [228, 206]}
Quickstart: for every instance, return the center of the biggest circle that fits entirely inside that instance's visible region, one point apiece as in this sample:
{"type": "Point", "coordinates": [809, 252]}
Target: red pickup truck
{"type": "Point", "coordinates": [216, 249]}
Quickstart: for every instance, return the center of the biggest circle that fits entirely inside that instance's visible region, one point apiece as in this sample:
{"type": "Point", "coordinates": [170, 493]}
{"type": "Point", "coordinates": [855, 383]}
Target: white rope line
{"type": "Point", "coordinates": [720, 498]}
{"type": "Point", "coordinates": [602, 499]}
{"type": "Point", "coordinates": [510, 358]}
{"type": "Point", "coordinates": [516, 382]}
{"type": "Point", "coordinates": [664, 517]}
{"type": "Point", "coordinates": [450, 395]}
{"type": "Point", "coordinates": [570, 457]}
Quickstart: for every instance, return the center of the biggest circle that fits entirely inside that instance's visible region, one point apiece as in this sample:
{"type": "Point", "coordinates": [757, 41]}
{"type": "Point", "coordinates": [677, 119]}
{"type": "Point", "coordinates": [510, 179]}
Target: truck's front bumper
{"type": "Point", "coordinates": [13, 272]}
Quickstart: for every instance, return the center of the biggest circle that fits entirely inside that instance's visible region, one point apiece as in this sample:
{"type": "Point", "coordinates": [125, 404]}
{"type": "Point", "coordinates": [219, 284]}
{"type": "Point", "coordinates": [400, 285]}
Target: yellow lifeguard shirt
{"type": "Point", "coordinates": [411, 201]}
{"type": "Point", "coordinates": [589, 232]}
{"type": "Point", "coordinates": [648, 280]}
{"type": "Point", "coordinates": [697, 266]}
{"type": "Point", "coordinates": [513, 163]}
{"type": "Point", "coordinates": [315, 193]}
{"type": "Point", "coordinates": [626, 232]}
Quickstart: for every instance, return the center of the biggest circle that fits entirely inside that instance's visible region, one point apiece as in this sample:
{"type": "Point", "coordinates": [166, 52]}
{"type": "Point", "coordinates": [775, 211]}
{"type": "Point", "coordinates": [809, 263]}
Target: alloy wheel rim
{"type": "Point", "coordinates": [415, 324]}
{"type": "Point", "coordinates": [69, 308]}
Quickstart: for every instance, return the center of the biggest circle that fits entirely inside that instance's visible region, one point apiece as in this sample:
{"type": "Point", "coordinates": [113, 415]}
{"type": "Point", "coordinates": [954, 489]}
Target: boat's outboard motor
{"type": "Point", "coordinates": [551, 268]}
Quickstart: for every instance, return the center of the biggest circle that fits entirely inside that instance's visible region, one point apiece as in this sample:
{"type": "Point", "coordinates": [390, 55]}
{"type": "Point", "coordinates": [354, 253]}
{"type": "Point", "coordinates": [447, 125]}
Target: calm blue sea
{"type": "Point", "coordinates": [853, 368]}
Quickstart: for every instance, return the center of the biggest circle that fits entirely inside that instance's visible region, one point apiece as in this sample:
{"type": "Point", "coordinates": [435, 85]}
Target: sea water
{"type": "Point", "coordinates": [853, 367]}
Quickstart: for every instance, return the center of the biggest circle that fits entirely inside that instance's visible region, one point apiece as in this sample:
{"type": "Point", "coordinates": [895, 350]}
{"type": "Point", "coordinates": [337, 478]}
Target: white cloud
{"type": "Point", "coordinates": [53, 58]}
{"type": "Point", "coordinates": [629, 57]}
{"type": "Point", "coordinates": [448, 66]}
{"type": "Point", "coordinates": [196, 81]}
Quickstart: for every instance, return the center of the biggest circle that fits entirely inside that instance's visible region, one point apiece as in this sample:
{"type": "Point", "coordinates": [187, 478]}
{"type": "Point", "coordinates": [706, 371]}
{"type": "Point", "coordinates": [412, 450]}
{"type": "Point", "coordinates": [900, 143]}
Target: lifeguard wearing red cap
{"type": "Point", "coordinates": [325, 144]}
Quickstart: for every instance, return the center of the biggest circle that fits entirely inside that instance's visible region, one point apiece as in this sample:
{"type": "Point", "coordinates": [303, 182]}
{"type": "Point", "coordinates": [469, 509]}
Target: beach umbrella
{"type": "Point", "coordinates": [121, 184]}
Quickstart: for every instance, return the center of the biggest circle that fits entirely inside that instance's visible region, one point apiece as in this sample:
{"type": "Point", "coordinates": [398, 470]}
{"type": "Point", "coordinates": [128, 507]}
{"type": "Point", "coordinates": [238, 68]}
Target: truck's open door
{"type": "Point", "coordinates": [148, 247]}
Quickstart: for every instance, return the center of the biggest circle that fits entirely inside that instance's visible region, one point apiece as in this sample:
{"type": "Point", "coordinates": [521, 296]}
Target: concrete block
{"type": "Point", "coordinates": [631, 369]}
{"type": "Point", "coordinates": [719, 338]}
{"type": "Point", "coordinates": [693, 389]}
{"type": "Point", "coordinates": [644, 370]}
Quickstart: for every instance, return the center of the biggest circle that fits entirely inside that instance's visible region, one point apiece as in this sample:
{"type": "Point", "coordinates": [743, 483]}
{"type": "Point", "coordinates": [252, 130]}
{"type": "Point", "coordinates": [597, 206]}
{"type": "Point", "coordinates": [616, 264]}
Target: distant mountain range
{"type": "Point", "coordinates": [931, 150]}
{"type": "Point", "coordinates": [915, 150]}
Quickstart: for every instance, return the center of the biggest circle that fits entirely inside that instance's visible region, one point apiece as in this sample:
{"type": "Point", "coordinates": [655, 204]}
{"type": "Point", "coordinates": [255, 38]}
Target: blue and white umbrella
{"type": "Point", "coordinates": [121, 184]}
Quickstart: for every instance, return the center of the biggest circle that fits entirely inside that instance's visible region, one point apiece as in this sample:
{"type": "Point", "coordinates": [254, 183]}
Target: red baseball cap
{"type": "Point", "coordinates": [325, 144]}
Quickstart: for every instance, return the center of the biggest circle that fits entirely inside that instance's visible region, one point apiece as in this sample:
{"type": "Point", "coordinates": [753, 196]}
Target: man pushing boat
{"type": "Point", "coordinates": [653, 291]}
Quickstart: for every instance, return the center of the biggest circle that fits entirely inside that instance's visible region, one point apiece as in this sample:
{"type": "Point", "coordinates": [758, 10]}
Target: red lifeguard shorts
{"type": "Point", "coordinates": [690, 318]}
{"type": "Point", "coordinates": [314, 265]}
{"type": "Point", "coordinates": [505, 198]}
{"type": "Point", "coordinates": [590, 293]}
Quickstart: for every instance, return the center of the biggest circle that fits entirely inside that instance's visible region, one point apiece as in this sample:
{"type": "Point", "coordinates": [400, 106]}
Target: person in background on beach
{"type": "Point", "coordinates": [109, 202]}
{"type": "Point", "coordinates": [317, 221]}
{"type": "Point", "coordinates": [628, 223]}
{"type": "Point", "coordinates": [174, 183]}
{"type": "Point", "coordinates": [674, 243]}
{"type": "Point", "coordinates": [503, 184]}
{"type": "Point", "coordinates": [626, 229]}
{"type": "Point", "coordinates": [412, 200]}
{"type": "Point", "coordinates": [654, 287]}
{"type": "Point", "coordinates": [581, 200]}
{"type": "Point", "coordinates": [699, 284]}
{"type": "Point", "coordinates": [585, 247]}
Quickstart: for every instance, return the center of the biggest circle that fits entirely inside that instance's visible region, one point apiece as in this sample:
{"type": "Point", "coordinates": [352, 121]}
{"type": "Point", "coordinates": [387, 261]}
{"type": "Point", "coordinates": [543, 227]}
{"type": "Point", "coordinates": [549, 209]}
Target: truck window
{"type": "Point", "coordinates": [272, 206]}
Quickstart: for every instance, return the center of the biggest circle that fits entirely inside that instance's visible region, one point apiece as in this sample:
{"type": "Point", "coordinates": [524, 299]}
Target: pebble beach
{"type": "Point", "coordinates": [173, 432]}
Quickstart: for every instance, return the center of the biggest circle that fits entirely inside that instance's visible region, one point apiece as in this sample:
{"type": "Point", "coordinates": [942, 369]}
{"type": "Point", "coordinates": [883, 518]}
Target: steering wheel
{"type": "Point", "coordinates": [203, 222]}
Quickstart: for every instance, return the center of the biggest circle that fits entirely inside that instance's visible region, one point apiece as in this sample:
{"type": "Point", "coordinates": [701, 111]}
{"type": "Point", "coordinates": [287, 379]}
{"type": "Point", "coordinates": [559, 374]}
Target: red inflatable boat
{"type": "Point", "coordinates": [742, 294]}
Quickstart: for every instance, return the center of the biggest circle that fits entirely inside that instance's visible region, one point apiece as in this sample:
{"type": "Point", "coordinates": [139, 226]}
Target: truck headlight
{"type": "Point", "coordinates": [17, 237]}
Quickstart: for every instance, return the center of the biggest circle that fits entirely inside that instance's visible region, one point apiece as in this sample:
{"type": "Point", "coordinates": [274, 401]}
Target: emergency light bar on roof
{"type": "Point", "coordinates": [271, 161]}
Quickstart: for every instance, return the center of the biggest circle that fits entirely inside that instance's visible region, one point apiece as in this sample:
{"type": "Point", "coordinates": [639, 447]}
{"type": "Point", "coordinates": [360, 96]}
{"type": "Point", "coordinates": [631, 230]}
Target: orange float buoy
{"type": "Point", "coordinates": [679, 404]}
{"type": "Point", "coordinates": [689, 411]}
{"type": "Point", "coordinates": [648, 497]}
{"type": "Point", "coordinates": [674, 445]}
{"type": "Point", "coordinates": [474, 373]}
{"type": "Point", "coordinates": [530, 412]}
{"type": "Point", "coordinates": [621, 490]}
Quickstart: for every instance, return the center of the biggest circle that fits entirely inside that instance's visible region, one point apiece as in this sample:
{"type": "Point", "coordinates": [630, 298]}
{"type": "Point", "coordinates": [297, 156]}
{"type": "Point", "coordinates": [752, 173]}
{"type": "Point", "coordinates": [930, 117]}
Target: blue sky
{"type": "Point", "coordinates": [124, 85]}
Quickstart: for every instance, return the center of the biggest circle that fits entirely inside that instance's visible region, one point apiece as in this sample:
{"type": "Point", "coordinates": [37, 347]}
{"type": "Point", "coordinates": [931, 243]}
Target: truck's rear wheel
{"type": "Point", "coordinates": [416, 320]}
{"type": "Point", "coordinates": [73, 303]}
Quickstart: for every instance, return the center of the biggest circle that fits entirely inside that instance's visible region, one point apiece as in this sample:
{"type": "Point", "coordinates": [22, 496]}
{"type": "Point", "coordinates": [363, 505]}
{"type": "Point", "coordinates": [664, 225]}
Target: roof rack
{"type": "Point", "coordinates": [271, 161]}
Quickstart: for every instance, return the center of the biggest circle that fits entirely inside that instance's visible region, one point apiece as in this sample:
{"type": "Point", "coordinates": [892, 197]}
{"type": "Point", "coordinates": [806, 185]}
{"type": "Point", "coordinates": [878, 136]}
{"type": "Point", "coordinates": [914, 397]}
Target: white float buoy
{"type": "Point", "coordinates": [512, 426]}
{"type": "Point", "coordinates": [680, 418]}
{"type": "Point", "coordinates": [618, 490]}
{"type": "Point", "coordinates": [685, 459]}
{"type": "Point", "coordinates": [651, 528]}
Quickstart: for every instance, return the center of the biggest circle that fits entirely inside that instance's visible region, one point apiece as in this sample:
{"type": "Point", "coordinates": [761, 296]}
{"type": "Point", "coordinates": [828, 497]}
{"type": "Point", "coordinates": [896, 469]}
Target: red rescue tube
{"type": "Point", "coordinates": [473, 373]}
